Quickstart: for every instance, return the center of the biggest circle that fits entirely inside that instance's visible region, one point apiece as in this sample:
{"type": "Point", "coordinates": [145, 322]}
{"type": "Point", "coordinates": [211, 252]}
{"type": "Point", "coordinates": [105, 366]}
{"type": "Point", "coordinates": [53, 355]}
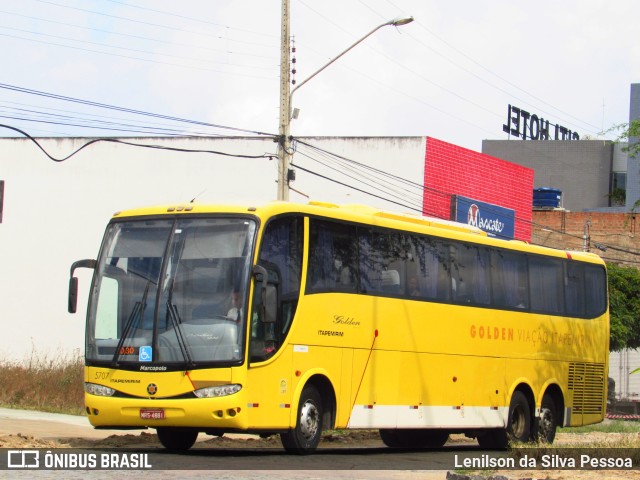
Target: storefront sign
{"type": "Point", "coordinates": [495, 220]}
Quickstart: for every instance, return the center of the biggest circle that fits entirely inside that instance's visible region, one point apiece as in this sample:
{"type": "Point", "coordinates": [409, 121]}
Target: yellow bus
{"type": "Point", "coordinates": [292, 319]}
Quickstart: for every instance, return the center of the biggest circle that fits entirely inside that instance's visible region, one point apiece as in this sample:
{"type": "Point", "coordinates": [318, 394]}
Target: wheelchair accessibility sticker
{"type": "Point", "coordinates": [145, 354]}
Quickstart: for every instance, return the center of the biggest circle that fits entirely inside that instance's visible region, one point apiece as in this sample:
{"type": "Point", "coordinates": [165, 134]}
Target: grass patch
{"type": "Point", "coordinates": [608, 426]}
{"type": "Point", "coordinates": [44, 383]}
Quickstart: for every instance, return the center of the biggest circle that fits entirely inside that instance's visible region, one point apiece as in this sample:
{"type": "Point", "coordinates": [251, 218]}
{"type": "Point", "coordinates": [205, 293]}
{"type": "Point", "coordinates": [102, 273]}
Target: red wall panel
{"type": "Point", "coordinates": [450, 169]}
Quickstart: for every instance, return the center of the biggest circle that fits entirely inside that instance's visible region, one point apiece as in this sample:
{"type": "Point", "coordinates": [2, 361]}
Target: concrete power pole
{"type": "Point", "coordinates": [284, 143]}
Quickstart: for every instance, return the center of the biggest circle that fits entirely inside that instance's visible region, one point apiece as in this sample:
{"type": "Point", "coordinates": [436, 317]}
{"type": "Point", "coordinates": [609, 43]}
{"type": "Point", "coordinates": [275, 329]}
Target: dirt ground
{"type": "Point", "coordinates": [349, 439]}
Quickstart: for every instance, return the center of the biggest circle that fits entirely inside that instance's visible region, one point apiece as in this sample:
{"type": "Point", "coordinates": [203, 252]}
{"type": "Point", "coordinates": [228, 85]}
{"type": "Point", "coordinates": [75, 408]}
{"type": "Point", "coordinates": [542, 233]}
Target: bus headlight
{"type": "Point", "coordinates": [219, 391]}
{"type": "Point", "coordinates": [99, 390]}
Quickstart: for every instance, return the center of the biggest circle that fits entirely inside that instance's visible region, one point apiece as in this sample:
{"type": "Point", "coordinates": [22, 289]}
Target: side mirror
{"type": "Point", "coordinates": [269, 300]}
{"type": "Point", "coordinates": [73, 282]}
{"type": "Point", "coordinates": [73, 294]}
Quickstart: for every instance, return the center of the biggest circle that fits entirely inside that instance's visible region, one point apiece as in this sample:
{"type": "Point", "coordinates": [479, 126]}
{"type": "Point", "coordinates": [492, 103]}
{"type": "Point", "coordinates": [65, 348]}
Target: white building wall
{"type": "Point", "coordinates": [56, 213]}
{"type": "Point", "coordinates": [621, 364]}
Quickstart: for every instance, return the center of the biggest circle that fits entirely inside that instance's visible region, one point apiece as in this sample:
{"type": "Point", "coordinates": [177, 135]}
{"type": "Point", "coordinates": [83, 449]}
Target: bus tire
{"type": "Point", "coordinates": [413, 438]}
{"type": "Point", "coordinates": [519, 423]}
{"type": "Point", "coordinates": [177, 439]}
{"type": "Point", "coordinates": [518, 426]}
{"type": "Point", "coordinates": [547, 421]}
{"type": "Point", "coordinates": [305, 436]}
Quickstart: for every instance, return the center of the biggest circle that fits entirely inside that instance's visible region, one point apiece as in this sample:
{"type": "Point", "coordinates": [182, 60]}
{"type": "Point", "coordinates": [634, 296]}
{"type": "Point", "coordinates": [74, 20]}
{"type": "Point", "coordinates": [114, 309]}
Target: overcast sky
{"type": "Point", "coordinates": [450, 74]}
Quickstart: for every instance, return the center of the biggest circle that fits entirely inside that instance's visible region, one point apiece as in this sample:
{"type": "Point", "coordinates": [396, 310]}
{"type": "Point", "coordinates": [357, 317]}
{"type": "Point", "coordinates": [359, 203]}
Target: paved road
{"type": "Point", "coordinates": [49, 426]}
{"type": "Point", "coordinates": [230, 463]}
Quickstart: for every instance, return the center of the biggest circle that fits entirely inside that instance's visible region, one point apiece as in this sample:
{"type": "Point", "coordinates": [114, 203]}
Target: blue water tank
{"type": "Point", "coordinates": [547, 197]}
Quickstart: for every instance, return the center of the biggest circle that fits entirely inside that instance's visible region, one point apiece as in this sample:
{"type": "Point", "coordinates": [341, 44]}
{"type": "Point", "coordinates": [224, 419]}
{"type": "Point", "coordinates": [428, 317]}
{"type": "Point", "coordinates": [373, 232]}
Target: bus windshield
{"type": "Point", "coordinates": [171, 291]}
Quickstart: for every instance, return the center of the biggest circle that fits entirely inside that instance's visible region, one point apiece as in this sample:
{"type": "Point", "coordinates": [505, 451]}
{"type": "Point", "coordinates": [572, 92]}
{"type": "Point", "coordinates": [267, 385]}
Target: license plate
{"type": "Point", "coordinates": [151, 414]}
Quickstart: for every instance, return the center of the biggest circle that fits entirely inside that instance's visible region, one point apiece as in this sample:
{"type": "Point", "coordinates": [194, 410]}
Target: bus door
{"type": "Point", "coordinates": [277, 278]}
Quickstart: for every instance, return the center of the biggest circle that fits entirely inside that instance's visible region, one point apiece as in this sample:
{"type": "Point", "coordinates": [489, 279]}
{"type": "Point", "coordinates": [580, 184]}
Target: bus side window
{"type": "Point", "coordinates": [431, 269]}
{"type": "Point", "coordinates": [547, 288]}
{"type": "Point", "coordinates": [332, 262]}
{"type": "Point", "coordinates": [574, 289]}
{"type": "Point", "coordinates": [595, 286]}
{"type": "Point", "coordinates": [281, 255]}
{"type": "Point", "coordinates": [458, 272]}
{"type": "Point", "coordinates": [376, 254]}
{"type": "Point", "coordinates": [475, 260]}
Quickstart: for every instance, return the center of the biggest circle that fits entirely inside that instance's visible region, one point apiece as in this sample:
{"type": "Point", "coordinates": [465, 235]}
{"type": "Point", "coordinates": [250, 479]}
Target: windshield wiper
{"type": "Point", "coordinates": [136, 312]}
{"type": "Point", "coordinates": [176, 321]}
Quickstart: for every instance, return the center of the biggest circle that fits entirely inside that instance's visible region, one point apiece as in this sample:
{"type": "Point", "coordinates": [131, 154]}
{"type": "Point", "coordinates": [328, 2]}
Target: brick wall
{"type": "Point", "coordinates": [450, 169]}
{"type": "Point", "coordinates": [619, 232]}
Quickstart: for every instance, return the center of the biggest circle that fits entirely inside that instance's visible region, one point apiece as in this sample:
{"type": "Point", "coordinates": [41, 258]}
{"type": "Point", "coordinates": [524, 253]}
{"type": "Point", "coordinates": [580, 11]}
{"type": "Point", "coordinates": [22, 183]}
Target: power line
{"type": "Point", "coordinates": [419, 75]}
{"type": "Point", "coordinates": [359, 179]}
{"type": "Point", "coordinates": [173, 28]}
{"type": "Point", "coordinates": [443, 88]}
{"type": "Point", "coordinates": [383, 186]}
{"type": "Point", "coordinates": [352, 187]}
{"type": "Point", "coordinates": [132, 57]}
{"type": "Point", "coordinates": [124, 109]}
{"type": "Point", "coordinates": [423, 211]}
{"type": "Point", "coordinates": [390, 196]}
{"type": "Point", "coordinates": [199, 46]}
{"type": "Point", "coordinates": [269, 156]}
{"type": "Point", "coordinates": [130, 49]}
{"type": "Point", "coordinates": [192, 19]}
{"type": "Point", "coordinates": [92, 120]}
{"type": "Point", "coordinates": [491, 72]}
{"type": "Point", "coordinates": [108, 126]}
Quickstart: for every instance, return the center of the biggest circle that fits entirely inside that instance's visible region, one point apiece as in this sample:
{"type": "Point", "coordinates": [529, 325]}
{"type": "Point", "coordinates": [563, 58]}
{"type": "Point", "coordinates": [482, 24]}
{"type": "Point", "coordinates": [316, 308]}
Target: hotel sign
{"type": "Point", "coordinates": [525, 125]}
{"type": "Point", "coordinates": [495, 220]}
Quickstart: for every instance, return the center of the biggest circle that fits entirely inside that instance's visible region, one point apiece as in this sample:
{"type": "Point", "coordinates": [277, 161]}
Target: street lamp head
{"type": "Point", "coordinates": [397, 22]}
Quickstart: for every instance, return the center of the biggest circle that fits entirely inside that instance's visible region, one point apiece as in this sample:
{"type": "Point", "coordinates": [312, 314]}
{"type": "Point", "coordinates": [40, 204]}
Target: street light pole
{"type": "Point", "coordinates": [286, 95]}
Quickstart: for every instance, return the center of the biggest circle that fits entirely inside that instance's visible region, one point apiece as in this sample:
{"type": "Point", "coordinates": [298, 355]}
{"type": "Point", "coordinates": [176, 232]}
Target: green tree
{"type": "Point", "coordinates": [628, 132]}
{"type": "Point", "coordinates": [624, 307]}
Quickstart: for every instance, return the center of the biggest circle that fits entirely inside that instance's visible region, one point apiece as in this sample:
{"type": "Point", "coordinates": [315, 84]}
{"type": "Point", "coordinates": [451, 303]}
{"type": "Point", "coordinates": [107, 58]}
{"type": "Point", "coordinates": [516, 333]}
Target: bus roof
{"type": "Point", "coordinates": [362, 214]}
{"type": "Point", "coordinates": [353, 211]}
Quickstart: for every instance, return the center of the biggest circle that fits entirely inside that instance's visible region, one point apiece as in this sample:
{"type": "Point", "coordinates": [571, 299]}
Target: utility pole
{"type": "Point", "coordinates": [284, 143]}
{"type": "Point", "coordinates": [286, 94]}
{"type": "Point", "coordinates": [586, 237]}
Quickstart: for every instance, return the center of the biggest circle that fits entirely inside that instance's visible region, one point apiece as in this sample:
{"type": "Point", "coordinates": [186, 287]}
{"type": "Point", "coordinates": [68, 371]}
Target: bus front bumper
{"type": "Point", "coordinates": [224, 413]}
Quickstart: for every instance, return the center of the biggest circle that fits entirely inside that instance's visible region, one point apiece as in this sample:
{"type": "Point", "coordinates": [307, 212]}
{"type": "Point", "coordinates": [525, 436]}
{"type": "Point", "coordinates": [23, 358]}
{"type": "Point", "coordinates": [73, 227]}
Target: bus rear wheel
{"type": "Point", "coordinates": [547, 422]}
{"type": "Point", "coordinates": [305, 436]}
{"type": "Point", "coordinates": [413, 438]}
{"type": "Point", "coordinates": [177, 439]}
{"type": "Point", "coordinates": [518, 425]}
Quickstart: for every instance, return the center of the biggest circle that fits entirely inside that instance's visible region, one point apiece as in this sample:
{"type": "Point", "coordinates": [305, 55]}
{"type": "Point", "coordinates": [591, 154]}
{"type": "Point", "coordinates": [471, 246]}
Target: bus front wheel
{"type": "Point", "coordinates": [177, 439]}
{"type": "Point", "coordinates": [305, 436]}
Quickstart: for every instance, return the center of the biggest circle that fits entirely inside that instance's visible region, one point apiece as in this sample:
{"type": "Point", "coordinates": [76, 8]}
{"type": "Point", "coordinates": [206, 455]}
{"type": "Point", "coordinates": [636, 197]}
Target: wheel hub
{"type": "Point", "coordinates": [309, 420]}
{"type": "Point", "coordinates": [546, 423]}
